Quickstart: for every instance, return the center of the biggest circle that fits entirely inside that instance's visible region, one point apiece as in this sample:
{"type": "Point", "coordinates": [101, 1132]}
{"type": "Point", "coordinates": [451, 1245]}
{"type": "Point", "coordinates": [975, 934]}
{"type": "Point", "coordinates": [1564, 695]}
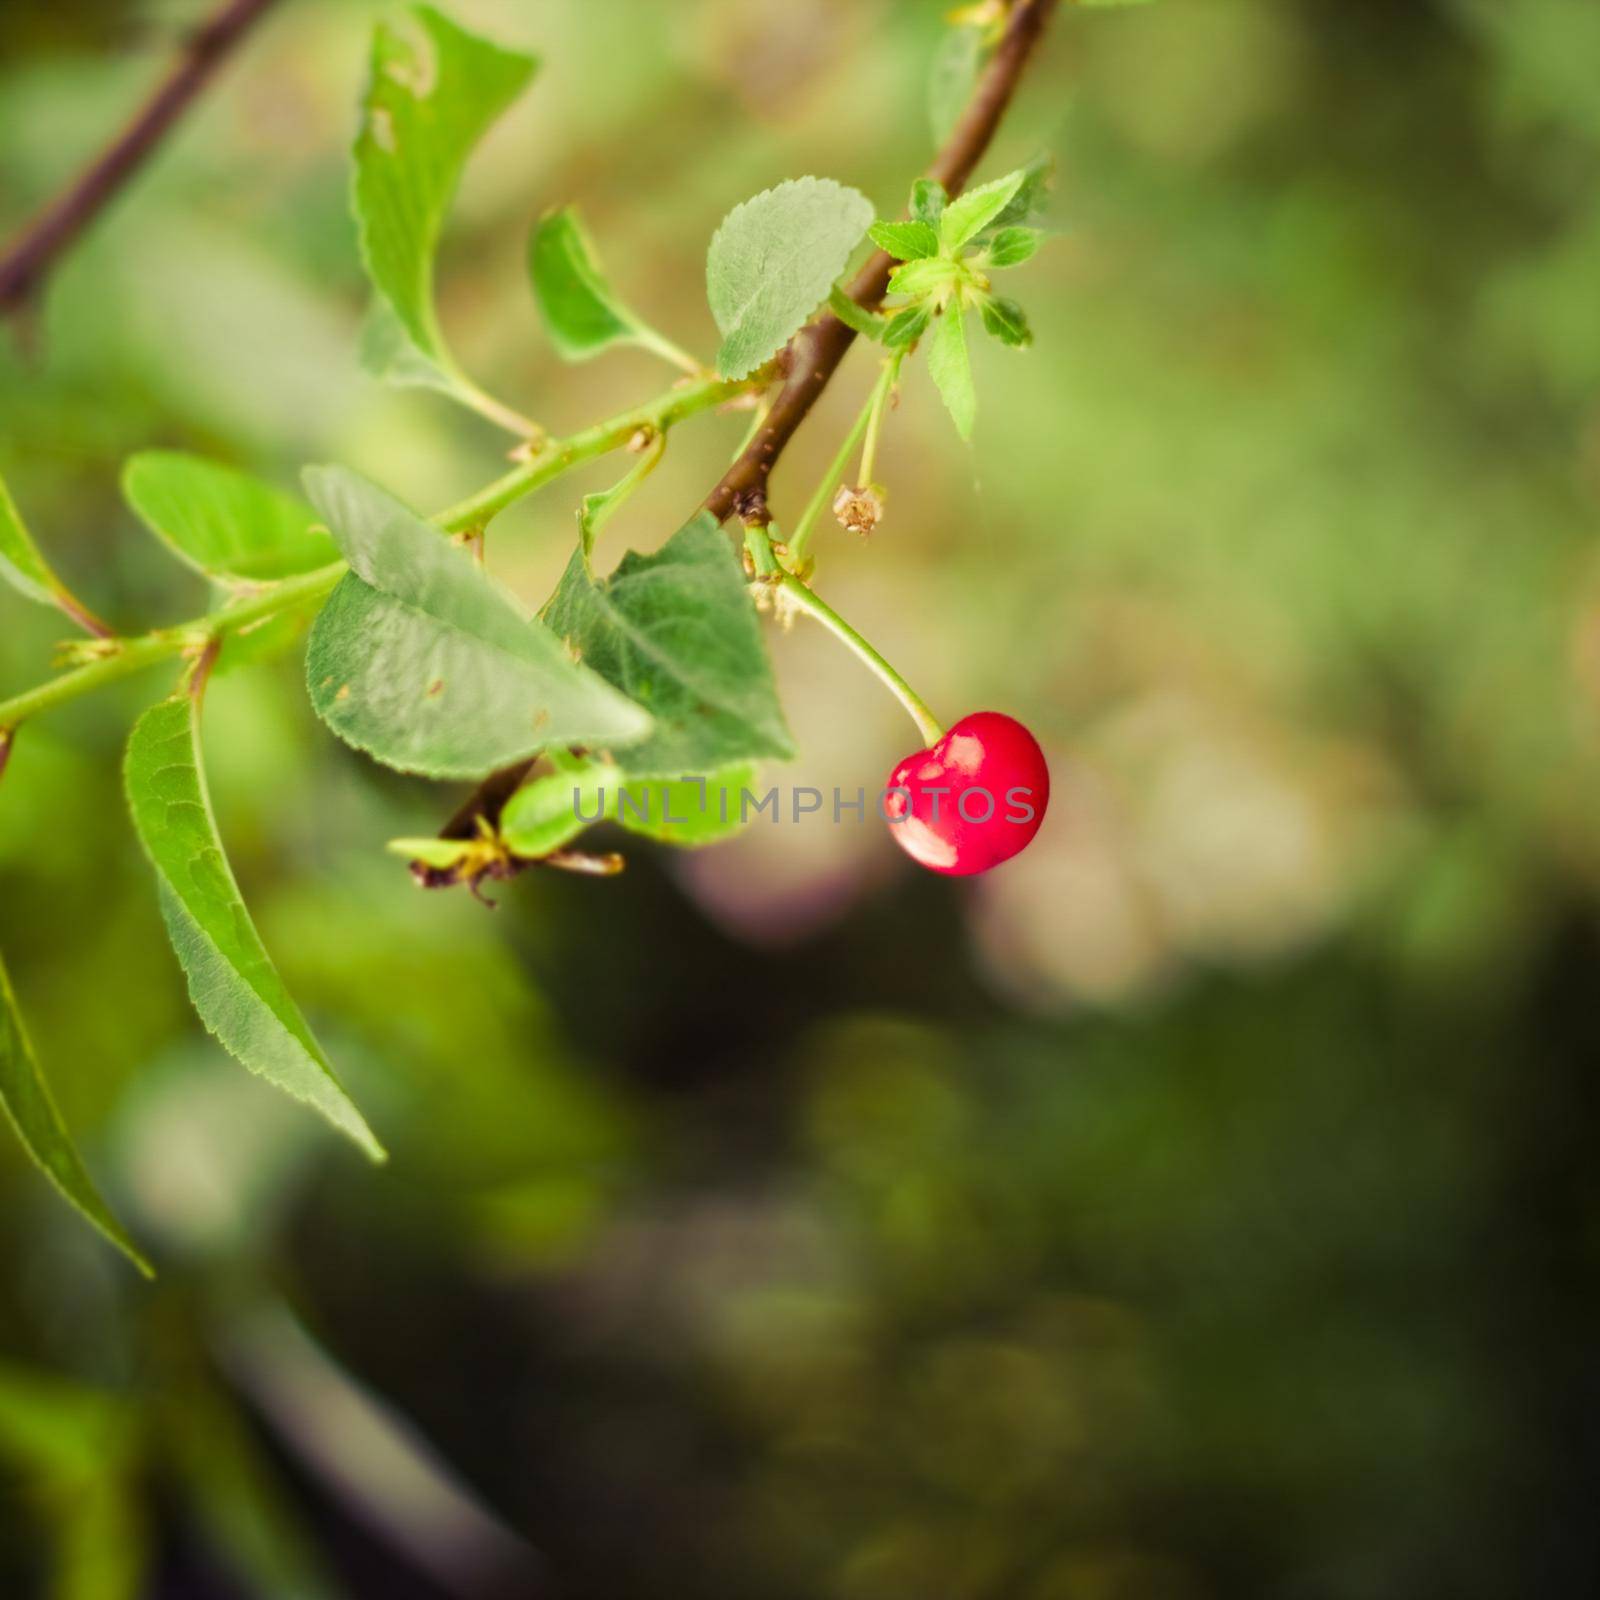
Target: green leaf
{"type": "Point", "coordinates": [1006, 321]}
{"type": "Point", "coordinates": [928, 200]}
{"type": "Point", "coordinates": [552, 810]}
{"type": "Point", "coordinates": [425, 662]}
{"type": "Point", "coordinates": [1029, 200]}
{"type": "Point", "coordinates": [676, 632]}
{"type": "Point", "coordinates": [21, 564]}
{"type": "Point", "coordinates": [977, 208]}
{"type": "Point", "coordinates": [232, 981]}
{"type": "Point", "coordinates": [32, 1112]}
{"type": "Point", "coordinates": [773, 261]}
{"type": "Point", "coordinates": [432, 852]}
{"type": "Point", "coordinates": [867, 323]}
{"type": "Point", "coordinates": [918, 278]}
{"type": "Point", "coordinates": [581, 312]}
{"type": "Point", "coordinates": [1106, 5]}
{"type": "Point", "coordinates": [952, 370]}
{"type": "Point", "coordinates": [951, 78]}
{"type": "Point", "coordinates": [223, 523]}
{"type": "Point", "coordinates": [906, 327]}
{"type": "Point", "coordinates": [686, 812]}
{"type": "Point", "coordinates": [905, 241]}
{"type": "Point", "coordinates": [434, 90]}
{"type": "Point", "coordinates": [1010, 247]}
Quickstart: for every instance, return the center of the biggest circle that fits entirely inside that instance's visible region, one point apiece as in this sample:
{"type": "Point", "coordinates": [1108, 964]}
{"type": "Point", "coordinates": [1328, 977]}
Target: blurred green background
{"type": "Point", "coordinates": [1201, 1206]}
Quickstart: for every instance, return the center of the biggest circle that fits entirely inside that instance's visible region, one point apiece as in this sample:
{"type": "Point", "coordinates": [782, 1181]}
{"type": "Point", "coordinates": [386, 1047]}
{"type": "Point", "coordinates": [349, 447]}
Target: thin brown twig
{"type": "Point", "coordinates": [28, 261]}
{"type": "Point", "coordinates": [809, 362]}
{"type": "Point", "coordinates": [814, 354]}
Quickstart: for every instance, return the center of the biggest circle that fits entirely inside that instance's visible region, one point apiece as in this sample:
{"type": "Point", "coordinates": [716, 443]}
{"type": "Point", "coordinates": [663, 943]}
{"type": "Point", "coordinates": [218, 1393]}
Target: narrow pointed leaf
{"type": "Point", "coordinates": [25, 569]}
{"type": "Point", "coordinates": [581, 310]}
{"type": "Point", "coordinates": [972, 212]}
{"type": "Point", "coordinates": [772, 262]}
{"type": "Point", "coordinates": [434, 90]}
{"type": "Point", "coordinates": [421, 659]}
{"type": "Point", "coordinates": [31, 1110]}
{"type": "Point", "coordinates": [232, 982]}
{"type": "Point", "coordinates": [1030, 199]}
{"type": "Point", "coordinates": [21, 564]}
{"type": "Point", "coordinates": [951, 369]}
{"type": "Point", "coordinates": [224, 523]}
{"type": "Point", "coordinates": [676, 632]}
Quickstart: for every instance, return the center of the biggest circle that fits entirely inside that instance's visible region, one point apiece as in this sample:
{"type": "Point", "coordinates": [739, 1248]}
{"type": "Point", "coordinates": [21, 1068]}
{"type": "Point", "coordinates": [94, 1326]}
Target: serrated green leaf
{"type": "Point", "coordinates": [972, 212]}
{"type": "Point", "coordinates": [919, 278]}
{"type": "Point", "coordinates": [433, 92]}
{"type": "Point", "coordinates": [232, 982]}
{"type": "Point", "coordinates": [906, 327]}
{"type": "Point", "coordinates": [1010, 247]}
{"type": "Point", "coordinates": [21, 564]}
{"type": "Point", "coordinates": [905, 241]}
{"type": "Point", "coordinates": [31, 1110]}
{"type": "Point", "coordinates": [1029, 200]}
{"type": "Point", "coordinates": [421, 659]}
{"type": "Point", "coordinates": [928, 200]}
{"type": "Point", "coordinates": [224, 524]}
{"type": "Point", "coordinates": [688, 812]}
{"type": "Point", "coordinates": [772, 262]}
{"type": "Point", "coordinates": [957, 61]}
{"type": "Point", "coordinates": [676, 632]}
{"type": "Point", "coordinates": [1006, 321]}
{"type": "Point", "coordinates": [581, 311]}
{"type": "Point", "coordinates": [951, 369]}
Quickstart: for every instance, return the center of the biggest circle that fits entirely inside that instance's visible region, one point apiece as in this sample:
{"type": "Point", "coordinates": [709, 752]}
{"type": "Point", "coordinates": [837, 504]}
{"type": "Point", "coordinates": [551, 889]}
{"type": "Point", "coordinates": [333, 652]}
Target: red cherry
{"type": "Point", "coordinates": [973, 800]}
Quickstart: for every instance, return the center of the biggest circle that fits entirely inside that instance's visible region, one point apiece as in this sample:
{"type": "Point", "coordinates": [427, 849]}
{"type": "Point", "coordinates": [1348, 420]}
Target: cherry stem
{"type": "Point", "coordinates": [831, 479]}
{"type": "Point", "coordinates": [876, 406]}
{"type": "Point", "coordinates": [809, 602]}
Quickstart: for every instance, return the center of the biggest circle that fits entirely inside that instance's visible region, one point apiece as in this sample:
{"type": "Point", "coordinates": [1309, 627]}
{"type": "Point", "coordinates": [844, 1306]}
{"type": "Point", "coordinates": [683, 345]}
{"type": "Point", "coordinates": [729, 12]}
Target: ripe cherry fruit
{"type": "Point", "coordinates": [973, 800]}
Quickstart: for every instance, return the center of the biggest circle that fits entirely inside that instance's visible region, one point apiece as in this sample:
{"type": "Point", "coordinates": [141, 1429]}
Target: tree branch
{"type": "Point", "coordinates": [809, 361]}
{"type": "Point", "coordinates": [32, 255]}
{"type": "Point", "coordinates": [814, 354]}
